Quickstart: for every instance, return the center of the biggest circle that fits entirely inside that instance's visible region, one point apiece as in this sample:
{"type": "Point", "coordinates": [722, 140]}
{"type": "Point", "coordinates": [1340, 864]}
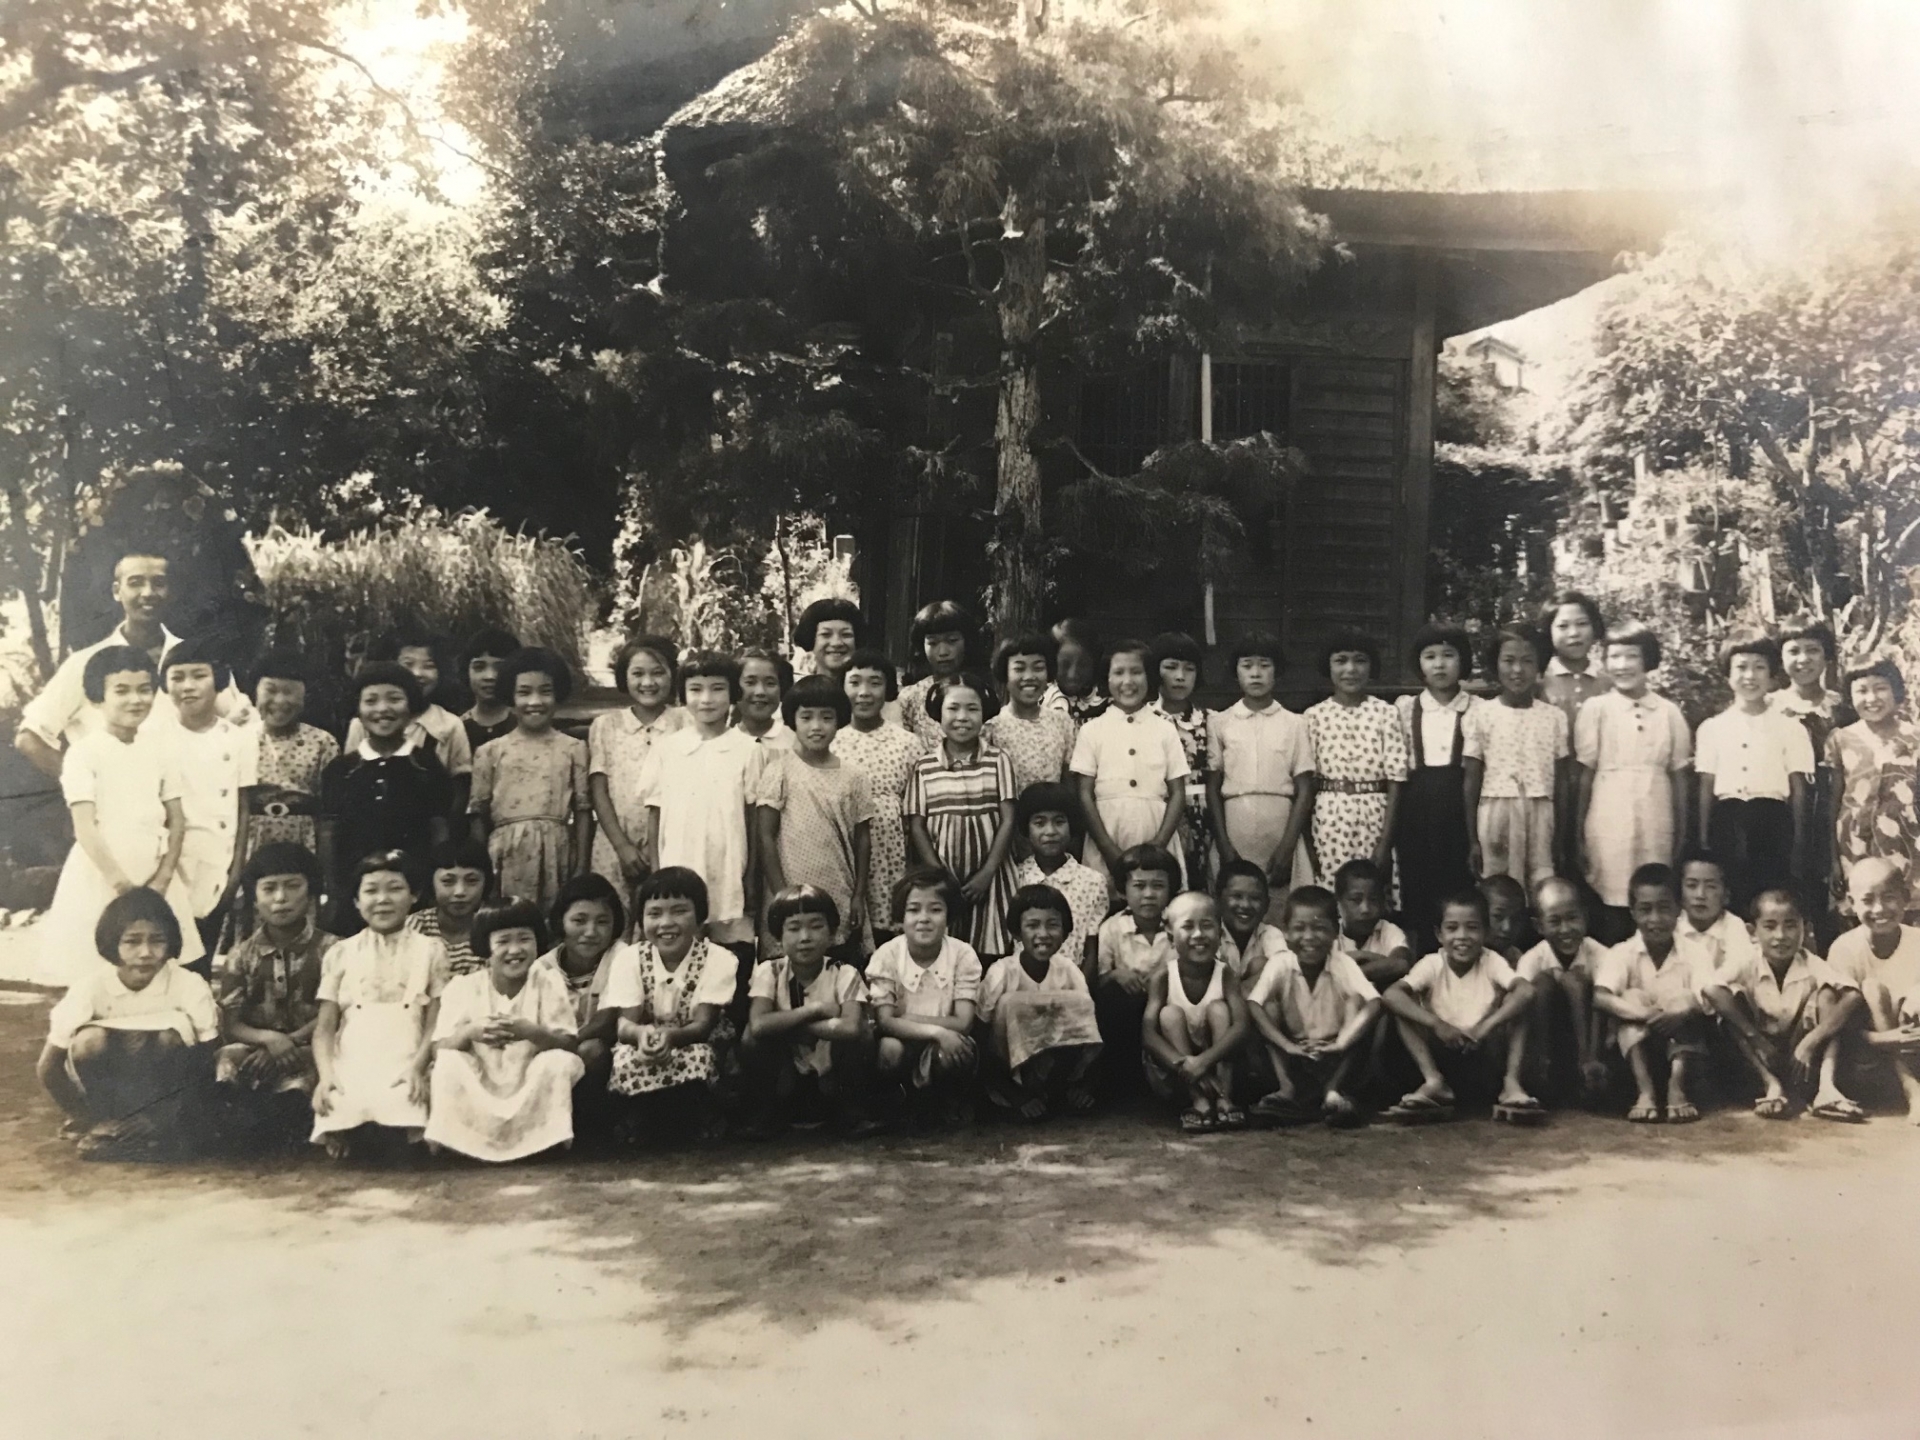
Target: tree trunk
{"type": "Point", "coordinates": [1019, 541]}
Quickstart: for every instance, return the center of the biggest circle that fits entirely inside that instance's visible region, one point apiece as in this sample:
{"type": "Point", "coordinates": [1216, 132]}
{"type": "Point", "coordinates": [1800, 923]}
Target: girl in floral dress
{"type": "Point", "coordinates": [287, 796]}
{"type": "Point", "coordinates": [885, 754]}
{"type": "Point", "coordinates": [1038, 741]}
{"type": "Point", "coordinates": [1360, 759]}
{"type": "Point", "coordinates": [530, 794]}
{"type": "Point", "coordinates": [1874, 777]}
{"type": "Point", "coordinates": [1177, 661]}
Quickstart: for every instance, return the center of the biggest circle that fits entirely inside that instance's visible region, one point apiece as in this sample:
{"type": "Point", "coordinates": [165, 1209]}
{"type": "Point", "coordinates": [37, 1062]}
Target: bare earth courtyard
{"type": "Point", "coordinates": [1105, 1278]}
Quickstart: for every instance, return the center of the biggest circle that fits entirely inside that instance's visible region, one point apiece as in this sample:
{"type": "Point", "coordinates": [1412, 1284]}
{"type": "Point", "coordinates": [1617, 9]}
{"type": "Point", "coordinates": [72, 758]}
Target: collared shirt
{"type": "Point", "coordinates": [1463, 1001]}
{"type": "Point", "coordinates": [175, 999]}
{"type": "Point", "coordinates": [1617, 731]}
{"type": "Point", "coordinates": [214, 765]}
{"type": "Point", "coordinates": [1431, 726]}
{"type": "Point", "coordinates": [1131, 755]}
{"type": "Point", "coordinates": [1385, 938]}
{"type": "Point", "coordinates": [1259, 752]}
{"type": "Point", "coordinates": [896, 979]}
{"type": "Point", "coordinates": [1677, 983]}
{"type": "Point", "coordinates": [1886, 982]}
{"type": "Point", "coordinates": [1780, 1001]}
{"type": "Point", "coordinates": [1122, 946]}
{"type": "Point", "coordinates": [1753, 757]}
{"type": "Point", "coordinates": [1520, 746]}
{"type": "Point", "coordinates": [1543, 959]}
{"type": "Point", "coordinates": [1819, 718]}
{"type": "Point", "coordinates": [707, 974]}
{"type": "Point", "coordinates": [61, 713]}
{"type": "Point", "coordinates": [1567, 690]}
{"type": "Point", "coordinates": [702, 785]}
{"type": "Point", "coordinates": [1726, 941]}
{"type": "Point", "coordinates": [451, 744]}
{"type": "Point", "coordinates": [1319, 1010]}
{"type": "Point", "coordinates": [1247, 965]}
{"type": "Point", "coordinates": [272, 987]}
{"type": "Point", "coordinates": [833, 987]}
{"type": "Point", "coordinates": [779, 735]}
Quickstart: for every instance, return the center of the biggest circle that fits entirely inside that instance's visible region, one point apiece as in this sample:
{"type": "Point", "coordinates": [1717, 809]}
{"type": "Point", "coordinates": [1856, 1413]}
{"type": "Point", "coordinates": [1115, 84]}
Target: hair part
{"type": "Point", "coordinates": [1258, 645]}
{"type": "Point", "coordinates": [1350, 642]}
{"type": "Point", "coordinates": [1178, 645]}
{"type": "Point", "coordinates": [1036, 897]}
{"type": "Point", "coordinates": [966, 680]}
{"type": "Point", "coordinates": [535, 660]}
{"type": "Point", "coordinates": [1129, 646]}
{"type": "Point", "coordinates": [880, 661]}
{"type": "Point", "coordinates": [709, 665]}
{"type": "Point", "coordinates": [1033, 644]}
{"type": "Point", "coordinates": [388, 672]}
{"type": "Point", "coordinates": [1881, 669]}
{"type": "Point", "coordinates": [1136, 858]}
{"type": "Point", "coordinates": [802, 900]}
{"type": "Point", "coordinates": [1596, 621]}
{"type": "Point", "coordinates": [1526, 635]}
{"type": "Point", "coordinates": [1453, 637]}
{"type": "Point", "coordinates": [925, 877]}
{"type": "Point", "coordinates": [197, 652]}
{"type": "Point", "coordinates": [1637, 635]}
{"type": "Point", "coordinates": [1750, 642]}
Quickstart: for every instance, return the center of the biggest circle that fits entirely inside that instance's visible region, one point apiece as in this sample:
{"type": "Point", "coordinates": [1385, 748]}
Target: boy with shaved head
{"type": "Point", "coordinates": [1882, 956]}
{"type": "Point", "coordinates": [1559, 974]}
{"type": "Point", "coordinates": [1195, 1019]}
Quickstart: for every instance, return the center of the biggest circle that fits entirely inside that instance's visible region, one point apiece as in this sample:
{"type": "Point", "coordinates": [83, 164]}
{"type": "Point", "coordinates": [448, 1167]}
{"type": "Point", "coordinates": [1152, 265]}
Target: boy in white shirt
{"type": "Point", "coordinates": [1788, 1010]}
{"type": "Point", "coordinates": [1711, 933]}
{"type": "Point", "coordinates": [1653, 989]}
{"type": "Point", "coordinates": [218, 763]}
{"type": "Point", "coordinates": [1882, 956]}
{"type": "Point", "coordinates": [1559, 972]}
{"type": "Point", "coordinates": [1247, 941]}
{"type": "Point", "coordinates": [1755, 769]}
{"type": "Point", "coordinates": [1311, 1008]}
{"type": "Point", "coordinates": [1379, 945]}
{"type": "Point", "coordinates": [1455, 1012]}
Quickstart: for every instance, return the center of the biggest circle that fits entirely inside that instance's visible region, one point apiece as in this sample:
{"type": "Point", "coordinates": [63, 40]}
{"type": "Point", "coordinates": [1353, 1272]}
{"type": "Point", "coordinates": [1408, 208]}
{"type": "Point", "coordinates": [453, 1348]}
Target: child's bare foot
{"type": "Point", "coordinates": [337, 1146]}
{"type": "Point", "coordinates": [1680, 1109]}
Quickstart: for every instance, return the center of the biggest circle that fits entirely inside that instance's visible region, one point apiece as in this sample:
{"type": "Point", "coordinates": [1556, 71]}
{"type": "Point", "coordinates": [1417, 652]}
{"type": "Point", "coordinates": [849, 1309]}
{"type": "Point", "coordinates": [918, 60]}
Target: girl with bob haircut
{"type": "Point", "coordinates": [883, 751]}
{"type": "Point", "coordinates": [618, 743]}
{"type": "Point", "coordinates": [530, 796]}
{"type": "Point", "coordinates": [1430, 843]}
{"type": "Point", "coordinates": [830, 630]}
{"type": "Point", "coordinates": [959, 808]}
{"type": "Point", "coordinates": [1360, 758]}
{"type": "Point", "coordinates": [1038, 741]}
{"type": "Point", "coordinates": [942, 641]}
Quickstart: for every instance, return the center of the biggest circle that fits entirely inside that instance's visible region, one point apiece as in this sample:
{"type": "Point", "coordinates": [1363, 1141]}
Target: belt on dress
{"type": "Point", "coordinates": [1354, 787]}
{"type": "Point", "coordinates": [280, 809]}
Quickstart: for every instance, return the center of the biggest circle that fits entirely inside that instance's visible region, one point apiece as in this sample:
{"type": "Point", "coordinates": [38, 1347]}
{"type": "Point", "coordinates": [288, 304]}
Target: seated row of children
{"type": "Point", "coordinates": [552, 1019]}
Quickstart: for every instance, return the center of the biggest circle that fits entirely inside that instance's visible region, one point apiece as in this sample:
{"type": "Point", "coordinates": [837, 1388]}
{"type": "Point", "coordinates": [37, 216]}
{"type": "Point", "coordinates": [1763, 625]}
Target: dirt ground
{"type": "Point", "coordinates": [1104, 1278]}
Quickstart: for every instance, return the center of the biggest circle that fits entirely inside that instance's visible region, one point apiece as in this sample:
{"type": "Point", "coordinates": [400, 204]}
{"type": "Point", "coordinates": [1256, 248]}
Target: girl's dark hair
{"type": "Point", "coordinates": [130, 906]}
{"type": "Point", "coordinates": [806, 630]}
{"type": "Point", "coordinates": [1347, 641]}
{"type": "Point", "coordinates": [488, 640]}
{"type": "Point", "coordinates": [1145, 857]}
{"type": "Point", "coordinates": [581, 888]}
{"type": "Point", "coordinates": [1657, 876]}
{"type": "Point", "coordinates": [1262, 643]}
{"type": "Point", "coordinates": [966, 680]}
{"type": "Point", "coordinates": [1749, 642]}
{"type": "Point", "coordinates": [816, 692]}
{"type": "Point", "coordinates": [114, 660]}
{"type": "Point", "coordinates": [877, 660]}
{"type": "Point", "coordinates": [1129, 646]}
{"type": "Point", "coordinates": [1526, 635]}
{"type": "Point", "coordinates": [388, 672]}
{"type": "Point", "coordinates": [674, 882]}
{"type": "Point", "coordinates": [463, 853]}
{"type": "Point", "coordinates": [534, 660]}
{"type": "Point", "coordinates": [1030, 644]}
{"type": "Point", "coordinates": [1241, 869]}
{"type": "Point", "coordinates": [1453, 637]}
{"type": "Point", "coordinates": [195, 652]}
{"type": "Point", "coordinates": [1882, 669]}
{"type": "Point", "coordinates": [709, 665]}
{"type": "Point", "coordinates": [511, 912]}
{"type": "Point", "coordinates": [658, 646]}
{"type": "Point", "coordinates": [1311, 897]}
{"type": "Point", "coordinates": [1178, 645]}
{"type": "Point", "coordinates": [1586, 602]}
{"type": "Point", "coordinates": [802, 899]}
{"type": "Point", "coordinates": [942, 617]}
{"type": "Point", "coordinates": [782, 667]}
{"type": "Point", "coordinates": [1036, 897]}
{"type": "Point", "coordinates": [281, 664]}
{"type": "Point", "coordinates": [925, 877]}
{"type": "Point", "coordinates": [1042, 797]}
{"type": "Point", "coordinates": [1642, 639]}
{"type": "Point", "coordinates": [1806, 627]}
{"type": "Point", "coordinates": [381, 861]}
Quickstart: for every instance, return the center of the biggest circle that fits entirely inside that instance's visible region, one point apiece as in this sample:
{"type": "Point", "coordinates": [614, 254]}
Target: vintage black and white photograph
{"type": "Point", "coordinates": [963, 719]}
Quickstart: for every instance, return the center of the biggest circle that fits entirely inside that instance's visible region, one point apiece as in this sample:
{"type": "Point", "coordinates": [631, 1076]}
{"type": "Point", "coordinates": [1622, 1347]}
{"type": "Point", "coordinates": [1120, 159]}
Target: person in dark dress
{"type": "Point", "coordinates": [1430, 844]}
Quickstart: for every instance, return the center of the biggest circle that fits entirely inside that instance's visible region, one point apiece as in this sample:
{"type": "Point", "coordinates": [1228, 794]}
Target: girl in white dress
{"type": "Point", "coordinates": [379, 991]}
{"type": "Point", "coordinates": [1131, 766]}
{"type": "Point", "coordinates": [123, 790]}
{"type": "Point", "coordinates": [504, 1064]}
{"type": "Point", "coordinates": [618, 744]}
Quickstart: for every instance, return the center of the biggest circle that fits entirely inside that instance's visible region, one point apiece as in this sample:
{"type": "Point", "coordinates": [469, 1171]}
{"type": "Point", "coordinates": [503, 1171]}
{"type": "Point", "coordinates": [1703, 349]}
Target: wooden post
{"type": "Point", "coordinates": [1417, 496]}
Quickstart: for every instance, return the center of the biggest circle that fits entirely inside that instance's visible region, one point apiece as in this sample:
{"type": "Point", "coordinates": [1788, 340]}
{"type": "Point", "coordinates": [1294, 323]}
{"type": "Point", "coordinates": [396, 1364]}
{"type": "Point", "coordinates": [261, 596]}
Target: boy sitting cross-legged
{"type": "Point", "coordinates": [1195, 1019]}
{"type": "Point", "coordinates": [1882, 957]}
{"type": "Point", "coordinates": [1653, 990]}
{"type": "Point", "coordinates": [1455, 1011]}
{"type": "Point", "coordinates": [1311, 1009]}
{"type": "Point", "coordinates": [1788, 1011]}
{"type": "Point", "coordinates": [1560, 971]}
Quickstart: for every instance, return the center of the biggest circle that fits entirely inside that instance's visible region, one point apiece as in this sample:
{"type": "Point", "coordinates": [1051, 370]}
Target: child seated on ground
{"type": "Point", "coordinates": [807, 1021]}
{"type": "Point", "coordinates": [1132, 947]}
{"type": "Point", "coordinates": [1455, 1012]}
{"type": "Point", "coordinates": [379, 991]}
{"type": "Point", "coordinates": [1882, 956]}
{"type": "Point", "coordinates": [924, 985]}
{"type": "Point", "coordinates": [1509, 926]}
{"type": "Point", "coordinates": [587, 921]}
{"type": "Point", "coordinates": [1249, 942]}
{"type": "Point", "coordinates": [1788, 1011]}
{"type": "Point", "coordinates": [127, 1041]}
{"type": "Point", "coordinates": [1195, 1019]}
{"type": "Point", "coordinates": [1039, 1034]}
{"type": "Point", "coordinates": [1653, 990]}
{"type": "Point", "coordinates": [1311, 1008]}
{"type": "Point", "coordinates": [1712, 934]}
{"type": "Point", "coordinates": [1043, 816]}
{"type": "Point", "coordinates": [503, 1061]}
{"type": "Point", "coordinates": [1559, 973]}
{"type": "Point", "coordinates": [672, 991]}
{"type": "Point", "coordinates": [1377, 944]}
{"type": "Point", "coordinates": [268, 989]}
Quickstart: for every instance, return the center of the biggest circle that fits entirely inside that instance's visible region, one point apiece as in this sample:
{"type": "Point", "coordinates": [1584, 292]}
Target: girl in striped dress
{"type": "Point", "coordinates": [959, 809]}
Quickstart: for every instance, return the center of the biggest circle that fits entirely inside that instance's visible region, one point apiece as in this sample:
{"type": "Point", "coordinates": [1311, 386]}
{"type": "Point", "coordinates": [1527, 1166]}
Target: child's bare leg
{"type": "Point", "coordinates": [1646, 1100]}
{"type": "Point", "coordinates": [1512, 1092]}
{"type": "Point", "coordinates": [1433, 1084]}
{"type": "Point", "coordinates": [1334, 1099]}
{"type": "Point", "coordinates": [1177, 1032]}
{"type": "Point", "coordinates": [1829, 1091]}
{"type": "Point", "coordinates": [86, 1046]}
{"type": "Point", "coordinates": [1283, 1083]}
{"type": "Point", "coordinates": [1218, 1021]}
{"type": "Point", "coordinates": [1903, 1069]}
{"type": "Point", "coordinates": [1760, 1060]}
{"type": "Point", "coordinates": [1679, 1103]}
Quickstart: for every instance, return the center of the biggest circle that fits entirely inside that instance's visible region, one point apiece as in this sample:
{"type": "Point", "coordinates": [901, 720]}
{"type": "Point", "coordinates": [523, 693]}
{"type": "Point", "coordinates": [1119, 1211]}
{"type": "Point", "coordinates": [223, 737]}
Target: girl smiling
{"type": "Point", "coordinates": [1131, 765]}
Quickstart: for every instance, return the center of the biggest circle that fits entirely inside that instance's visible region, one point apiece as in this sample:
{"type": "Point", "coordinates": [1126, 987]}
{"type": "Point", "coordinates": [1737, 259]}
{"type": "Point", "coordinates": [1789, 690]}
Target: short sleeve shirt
{"type": "Point", "coordinates": [1543, 959]}
{"type": "Point", "coordinates": [1725, 942]}
{"type": "Point", "coordinates": [452, 745]}
{"type": "Point", "coordinates": [1386, 938]}
{"type": "Point", "coordinates": [1130, 756]}
{"type": "Point", "coordinates": [1007, 976]}
{"type": "Point", "coordinates": [1259, 752]}
{"type": "Point", "coordinates": [1779, 1001]}
{"type": "Point", "coordinates": [627, 989]}
{"type": "Point", "coordinates": [834, 986]}
{"type": "Point", "coordinates": [1753, 757]}
{"type": "Point", "coordinates": [1519, 746]}
{"type": "Point", "coordinates": [896, 979]}
{"type": "Point", "coordinates": [1318, 1010]}
{"type": "Point", "coordinates": [175, 999]}
{"type": "Point", "coordinates": [1121, 946]}
{"type": "Point", "coordinates": [1884, 982]}
{"type": "Point", "coordinates": [271, 987]}
{"type": "Point", "coordinates": [1463, 1001]}
{"type": "Point", "coordinates": [1621, 732]}
{"type": "Point", "coordinates": [1086, 892]}
{"type": "Point", "coordinates": [405, 968]}
{"type": "Point", "coordinates": [1678, 983]}
{"type": "Point", "coordinates": [1248, 964]}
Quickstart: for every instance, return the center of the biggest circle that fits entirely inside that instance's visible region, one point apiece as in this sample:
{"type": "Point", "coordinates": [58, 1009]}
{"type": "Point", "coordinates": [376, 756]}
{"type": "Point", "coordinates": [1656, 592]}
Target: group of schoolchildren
{"type": "Point", "coordinates": [750, 900]}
